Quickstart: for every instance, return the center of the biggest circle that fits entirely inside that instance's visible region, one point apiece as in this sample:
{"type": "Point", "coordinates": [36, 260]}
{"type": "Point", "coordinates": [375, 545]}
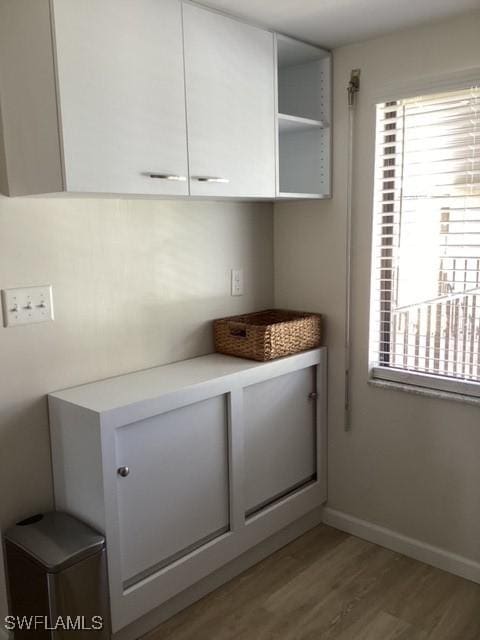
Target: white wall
{"type": "Point", "coordinates": [410, 463]}
{"type": "Point", "coordinates": [135, 285]}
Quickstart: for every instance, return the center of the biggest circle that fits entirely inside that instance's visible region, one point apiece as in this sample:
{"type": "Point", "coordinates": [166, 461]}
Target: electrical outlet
{"type": "Point", "coordinates": [27, 305]}
{"type": "Point", "coordinates": [237, 282]}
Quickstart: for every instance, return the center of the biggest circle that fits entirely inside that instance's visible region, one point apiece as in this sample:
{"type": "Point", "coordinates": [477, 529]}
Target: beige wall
{"type": "Point", "coordinates": [410, 463]}
{"type": "Point", "coordinates": [135, 285]}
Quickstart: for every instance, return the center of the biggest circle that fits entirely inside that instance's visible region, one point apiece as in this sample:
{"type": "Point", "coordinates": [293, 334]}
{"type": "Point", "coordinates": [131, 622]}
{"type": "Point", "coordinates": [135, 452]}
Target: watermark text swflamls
{"type": "Point", "coordinates": [66, 623]}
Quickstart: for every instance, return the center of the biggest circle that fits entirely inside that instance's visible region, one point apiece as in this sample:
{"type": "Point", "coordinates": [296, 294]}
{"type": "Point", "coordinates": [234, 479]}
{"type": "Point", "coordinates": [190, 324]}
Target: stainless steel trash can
{"type": "Point", "coordinates": [57, 579]}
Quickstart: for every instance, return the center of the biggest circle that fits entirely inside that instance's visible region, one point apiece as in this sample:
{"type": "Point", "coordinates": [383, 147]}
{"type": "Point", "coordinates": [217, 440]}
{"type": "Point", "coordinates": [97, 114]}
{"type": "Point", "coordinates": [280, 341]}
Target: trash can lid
{"type": "Point", "coordinates": [56, 540]}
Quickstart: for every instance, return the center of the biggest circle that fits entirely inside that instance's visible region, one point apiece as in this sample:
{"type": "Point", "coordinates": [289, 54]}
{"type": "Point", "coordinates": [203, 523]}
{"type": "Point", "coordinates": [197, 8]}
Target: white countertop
{"type": "Point", "coordinates": [131, 388]}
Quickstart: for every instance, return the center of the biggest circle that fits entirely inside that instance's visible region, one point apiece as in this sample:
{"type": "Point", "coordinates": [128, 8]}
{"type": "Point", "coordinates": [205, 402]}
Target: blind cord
{"type": "Point", "coordinates": [352, 89]}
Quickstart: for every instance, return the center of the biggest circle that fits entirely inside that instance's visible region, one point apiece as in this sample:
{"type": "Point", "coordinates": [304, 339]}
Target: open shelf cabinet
{"type": "Point", "coordinates": [303, 119]}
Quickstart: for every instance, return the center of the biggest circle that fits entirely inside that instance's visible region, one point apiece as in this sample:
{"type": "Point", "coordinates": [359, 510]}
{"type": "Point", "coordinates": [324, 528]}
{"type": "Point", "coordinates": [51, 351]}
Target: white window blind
{"type": "Point", "coordinates": [425, 316]}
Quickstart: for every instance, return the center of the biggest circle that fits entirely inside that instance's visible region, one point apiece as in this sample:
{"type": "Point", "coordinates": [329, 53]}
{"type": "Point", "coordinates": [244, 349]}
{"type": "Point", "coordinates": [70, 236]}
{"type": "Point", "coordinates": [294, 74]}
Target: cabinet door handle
{"type": "Point", "coordinates": [166, 176]}
{"type": "Point", "coordinates": [210, 179]}
{"type": "Point", "coordinates": [123, 472]}
{"type": "Point", "coordinates": [313, 395]}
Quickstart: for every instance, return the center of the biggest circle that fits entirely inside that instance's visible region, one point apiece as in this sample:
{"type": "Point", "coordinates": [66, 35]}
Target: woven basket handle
{"type": "Point", "coordinates": [238, 329]}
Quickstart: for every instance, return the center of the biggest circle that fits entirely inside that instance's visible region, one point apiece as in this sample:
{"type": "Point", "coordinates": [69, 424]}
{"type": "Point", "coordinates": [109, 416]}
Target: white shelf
{"type": "Point", "coordinates": [307, 196]}
{"type": "Point", "coordinates": [138, 388]}
{"type": "Point", "coordinates": [288, 123]}
{"type": "Point", "coordinates": [303, 120]}
{"type": "Point", "coordinates": [293, 52]}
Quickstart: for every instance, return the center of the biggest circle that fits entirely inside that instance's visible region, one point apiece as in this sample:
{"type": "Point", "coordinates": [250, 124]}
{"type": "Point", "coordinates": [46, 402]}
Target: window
{"type": "Point", "coordinates": [425, 315]}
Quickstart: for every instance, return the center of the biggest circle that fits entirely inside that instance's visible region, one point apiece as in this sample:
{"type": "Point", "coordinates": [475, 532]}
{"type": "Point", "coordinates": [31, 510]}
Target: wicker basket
{"type": "Point", "coordinates": [267, 335]}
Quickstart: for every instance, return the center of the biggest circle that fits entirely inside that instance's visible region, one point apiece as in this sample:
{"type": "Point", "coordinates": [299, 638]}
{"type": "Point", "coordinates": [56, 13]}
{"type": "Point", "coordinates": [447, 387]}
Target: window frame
{"type": "Point", "coordinates": [426, 382]}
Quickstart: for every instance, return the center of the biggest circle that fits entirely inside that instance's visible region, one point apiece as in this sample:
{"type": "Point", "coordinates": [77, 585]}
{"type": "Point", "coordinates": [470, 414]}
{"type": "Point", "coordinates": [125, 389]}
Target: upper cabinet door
{"type": "Point", "coordinates": [230, 105]}
{"type": "Point", "coordinates": [122, 95]}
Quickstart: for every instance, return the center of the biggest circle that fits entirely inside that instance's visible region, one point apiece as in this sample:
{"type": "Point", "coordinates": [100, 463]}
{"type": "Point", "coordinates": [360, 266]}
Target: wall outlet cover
{"type": "Point", "coordinates": [237, 282]}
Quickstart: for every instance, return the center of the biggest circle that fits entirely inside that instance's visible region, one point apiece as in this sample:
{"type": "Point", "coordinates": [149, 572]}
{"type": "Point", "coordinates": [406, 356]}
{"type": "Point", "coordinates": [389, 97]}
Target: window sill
{"type": "Point", "coordinates": [375, 380]}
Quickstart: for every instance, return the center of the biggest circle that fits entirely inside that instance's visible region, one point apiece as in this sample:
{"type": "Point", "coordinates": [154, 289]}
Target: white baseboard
{"type": "Point", "coordinates": [435, 556]}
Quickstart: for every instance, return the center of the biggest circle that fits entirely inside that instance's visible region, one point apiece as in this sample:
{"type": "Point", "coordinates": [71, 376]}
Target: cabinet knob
{"type": "Point", "coordinates": [123, 471]}
{"type": "Point", "coordinates": [313, 395]}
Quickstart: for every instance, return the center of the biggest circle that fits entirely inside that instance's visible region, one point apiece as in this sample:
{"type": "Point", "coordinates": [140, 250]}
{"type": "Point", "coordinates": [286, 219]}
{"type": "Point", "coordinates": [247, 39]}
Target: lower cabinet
{"type": "Point", "coordinates": [187, 466]}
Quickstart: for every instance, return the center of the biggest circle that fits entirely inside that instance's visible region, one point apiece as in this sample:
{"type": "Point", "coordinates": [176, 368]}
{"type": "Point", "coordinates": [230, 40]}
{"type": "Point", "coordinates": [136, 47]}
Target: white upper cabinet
{"type": "Point", "coordinates": [230, 105]}
{"type": "Point", "coordinates": [158, 98]}
{"type": "Point", "coordinates": [122, 96]}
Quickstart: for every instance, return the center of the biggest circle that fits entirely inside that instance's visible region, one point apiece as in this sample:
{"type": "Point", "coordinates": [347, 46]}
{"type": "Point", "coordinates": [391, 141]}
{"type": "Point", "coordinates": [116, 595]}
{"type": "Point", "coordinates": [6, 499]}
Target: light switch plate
{"type": "Point", "coordinates": [237, 282]}
{"type": "Point", "coordinates": [27, 305]}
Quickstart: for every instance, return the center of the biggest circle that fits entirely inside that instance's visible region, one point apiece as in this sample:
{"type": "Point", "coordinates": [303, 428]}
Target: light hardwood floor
{"type": "Point", "coordinates": [330, 585]}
